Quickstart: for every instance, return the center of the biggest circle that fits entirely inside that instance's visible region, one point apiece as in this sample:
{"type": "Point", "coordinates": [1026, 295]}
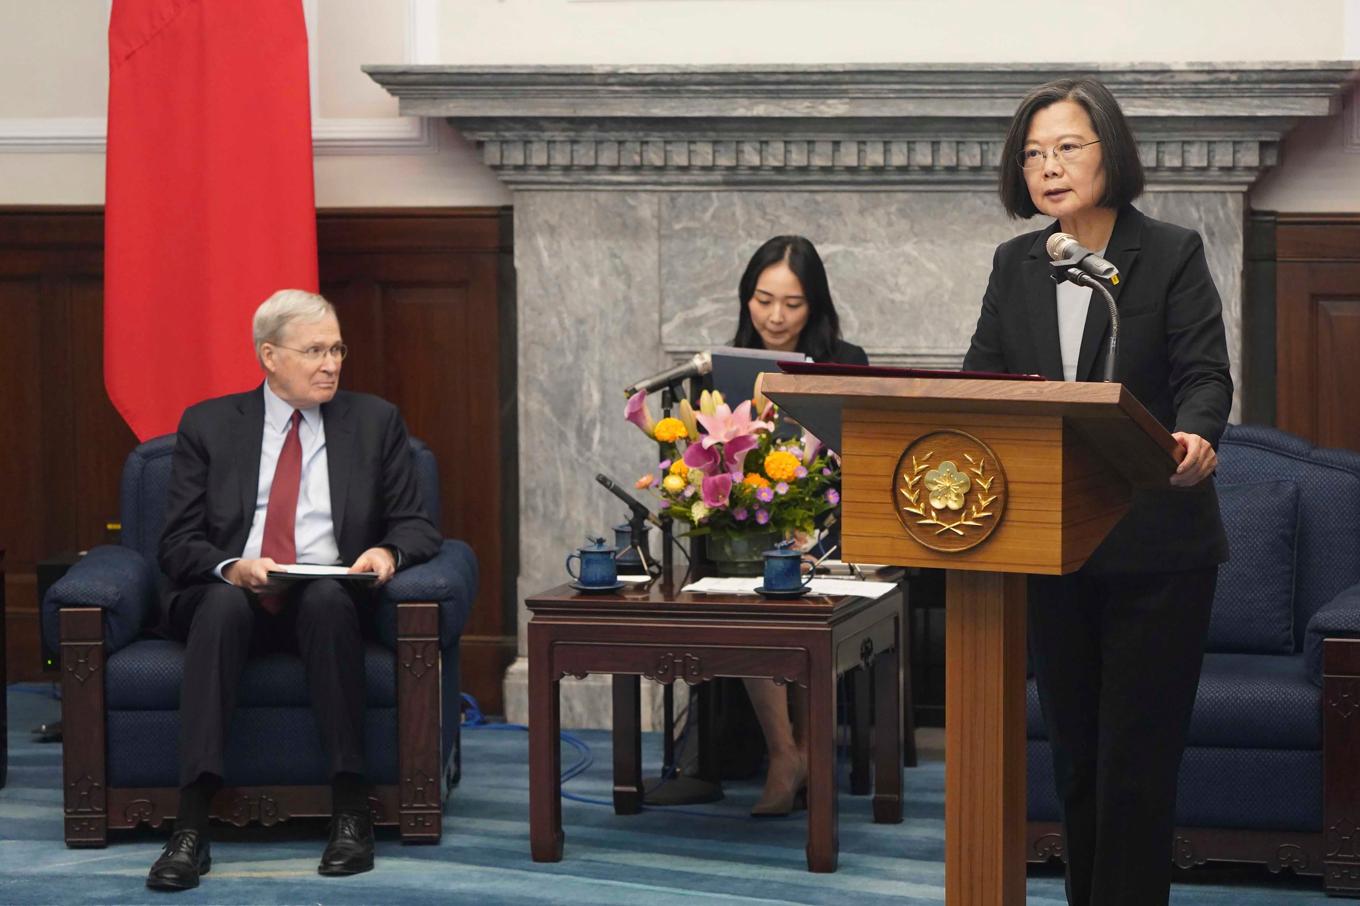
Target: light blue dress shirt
{"type": "Point", "coordinates": [314, 531]}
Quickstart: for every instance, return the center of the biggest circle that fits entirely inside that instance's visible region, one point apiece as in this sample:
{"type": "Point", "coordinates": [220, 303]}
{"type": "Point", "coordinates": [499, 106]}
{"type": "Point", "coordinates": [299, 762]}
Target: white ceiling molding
{"type": "Point", "coordinates": [330, 135]}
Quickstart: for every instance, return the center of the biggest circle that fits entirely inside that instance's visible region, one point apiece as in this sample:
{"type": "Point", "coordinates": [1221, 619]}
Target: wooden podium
{"type": "Point", "coordinates": [990, 480]}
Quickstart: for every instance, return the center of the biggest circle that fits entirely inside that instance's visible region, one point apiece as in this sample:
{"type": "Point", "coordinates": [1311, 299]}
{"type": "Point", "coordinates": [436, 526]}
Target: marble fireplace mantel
{"type": "Point", "coordinates": [640, 192]}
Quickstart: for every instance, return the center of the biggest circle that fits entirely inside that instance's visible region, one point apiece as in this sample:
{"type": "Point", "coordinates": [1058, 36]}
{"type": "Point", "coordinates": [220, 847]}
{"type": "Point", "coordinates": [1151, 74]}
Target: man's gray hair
{"type": "Point", "coordinates": [284, 307]}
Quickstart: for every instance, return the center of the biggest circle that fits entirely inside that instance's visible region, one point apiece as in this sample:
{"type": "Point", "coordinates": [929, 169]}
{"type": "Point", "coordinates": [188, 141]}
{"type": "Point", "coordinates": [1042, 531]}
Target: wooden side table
{"type": "Point", "coordinates": [667, 635]}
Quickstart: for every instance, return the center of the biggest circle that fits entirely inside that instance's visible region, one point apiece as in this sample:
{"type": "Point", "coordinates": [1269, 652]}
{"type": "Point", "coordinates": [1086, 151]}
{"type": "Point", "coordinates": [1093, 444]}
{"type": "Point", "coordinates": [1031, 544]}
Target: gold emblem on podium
{"type": "Point", "coordinates": [949, 490]}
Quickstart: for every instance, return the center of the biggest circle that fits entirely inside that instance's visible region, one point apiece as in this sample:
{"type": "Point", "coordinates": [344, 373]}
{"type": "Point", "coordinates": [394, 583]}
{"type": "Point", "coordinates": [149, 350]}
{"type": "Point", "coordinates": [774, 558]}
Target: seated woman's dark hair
{"type": "Point", "coordinates": [823, 328]}
{"type": "Point", "coordinates": [1119, 151]}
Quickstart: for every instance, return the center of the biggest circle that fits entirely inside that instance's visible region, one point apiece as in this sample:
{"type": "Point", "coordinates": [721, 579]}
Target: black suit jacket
{"type": "Point", "coordinates": [214, 481]}
{"type": "Point", "coordinates": [1172, 356]}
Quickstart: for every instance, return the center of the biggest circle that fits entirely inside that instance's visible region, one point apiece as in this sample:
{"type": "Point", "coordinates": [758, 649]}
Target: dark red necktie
{"type": "Point", "coordinates": [281, 516]}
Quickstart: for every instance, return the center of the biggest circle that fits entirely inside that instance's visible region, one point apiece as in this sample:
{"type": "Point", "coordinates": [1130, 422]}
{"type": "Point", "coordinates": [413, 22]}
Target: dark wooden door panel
{"type": "Point", "coordinates": [1338, 360]}
{"type": "Point", "coordinates": [1318, 328]}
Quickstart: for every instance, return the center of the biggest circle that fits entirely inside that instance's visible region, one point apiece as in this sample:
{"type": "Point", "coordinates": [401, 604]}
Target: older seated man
{"type": "Point", "coordinates": [294, 471]}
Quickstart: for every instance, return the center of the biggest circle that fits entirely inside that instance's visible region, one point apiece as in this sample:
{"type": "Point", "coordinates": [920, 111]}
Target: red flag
{"type": "Point", "coordinates": [209, 206]}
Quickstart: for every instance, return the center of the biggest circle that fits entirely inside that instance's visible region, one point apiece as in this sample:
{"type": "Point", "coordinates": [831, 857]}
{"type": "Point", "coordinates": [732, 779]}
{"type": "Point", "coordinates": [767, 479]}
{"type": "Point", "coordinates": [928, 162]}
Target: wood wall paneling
{"type": "Point", "coordinates": [421, 295]}
{"type": "Point", "coordinates": [1318, 328]}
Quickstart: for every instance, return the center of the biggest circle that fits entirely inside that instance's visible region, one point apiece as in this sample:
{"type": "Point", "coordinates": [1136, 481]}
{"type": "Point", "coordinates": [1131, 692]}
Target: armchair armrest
{"type": "Point", "coordinates": [117, 580]}
{"type": "Point", "coordinates": [448, 579]}
{"type": "Point", "coordinates": [1338, 618]}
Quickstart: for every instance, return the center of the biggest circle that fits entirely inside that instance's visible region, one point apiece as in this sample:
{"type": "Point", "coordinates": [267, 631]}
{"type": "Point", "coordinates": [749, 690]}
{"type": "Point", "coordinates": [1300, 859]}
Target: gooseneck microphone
{"type": "Point", "coordinates": [638, 510]}
{"type": "Point", "coordinates": [1064, 248]}
{"type": "Point", "coordinates": [699, 364]}
{"type": "Point", "coordinates": [1077, 264]}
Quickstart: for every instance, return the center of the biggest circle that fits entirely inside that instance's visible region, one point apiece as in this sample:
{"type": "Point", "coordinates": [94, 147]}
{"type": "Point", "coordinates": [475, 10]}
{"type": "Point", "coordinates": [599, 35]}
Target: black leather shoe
{"type": "Point", "coordinates": [350, 850]}
{"type": "Point", "coordinates": [184, 858]}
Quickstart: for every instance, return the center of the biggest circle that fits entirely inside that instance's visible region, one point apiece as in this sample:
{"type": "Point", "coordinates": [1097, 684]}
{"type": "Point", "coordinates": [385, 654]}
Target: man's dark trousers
{"type": "Point", "coordinates": [222, 625]}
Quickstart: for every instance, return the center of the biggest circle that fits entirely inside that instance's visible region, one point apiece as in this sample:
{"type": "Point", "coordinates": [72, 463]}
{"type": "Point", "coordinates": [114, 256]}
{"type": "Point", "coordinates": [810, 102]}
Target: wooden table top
{"type": "Point", "coordinates": [659, 600]}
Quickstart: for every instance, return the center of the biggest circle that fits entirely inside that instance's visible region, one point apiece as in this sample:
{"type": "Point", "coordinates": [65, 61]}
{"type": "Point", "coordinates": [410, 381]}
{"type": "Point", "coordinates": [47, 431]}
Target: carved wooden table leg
{"type": "Point", "coordinates": [421, 804]}
{"type": "Point", "coordinates": [1340, 742]}
{"type": "Point", "coordinates": [888, 733]}
{"type": "Point", "coordinates": [857, 681]}
{"type": "Point", "coordinates": [627, 745]}
{"type": "Point", "coordinates": [82, 717]}
{"type": "Point", "coordinates": [823, 843]}
{"type": "Point", "coordinates": [545, 749]}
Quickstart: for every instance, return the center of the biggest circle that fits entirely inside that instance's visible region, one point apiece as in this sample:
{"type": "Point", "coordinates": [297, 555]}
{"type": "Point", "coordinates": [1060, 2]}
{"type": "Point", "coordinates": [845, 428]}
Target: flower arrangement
{"type": "Point", "coordinates": [728, 470]}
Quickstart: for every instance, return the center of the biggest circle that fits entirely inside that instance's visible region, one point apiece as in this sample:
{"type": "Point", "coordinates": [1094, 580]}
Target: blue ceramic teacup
{"type": "Point", "coordinates": [597, 567]}
{"type": "Point", "coordinates": [784, 570]}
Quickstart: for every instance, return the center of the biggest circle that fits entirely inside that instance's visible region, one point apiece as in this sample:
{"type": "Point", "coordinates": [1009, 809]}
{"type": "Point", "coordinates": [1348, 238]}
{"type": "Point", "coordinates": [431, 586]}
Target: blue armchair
{"type": "Point", "coordinates": [120, 687]}
{"type": "Point", "coordinates": [1272, 767]}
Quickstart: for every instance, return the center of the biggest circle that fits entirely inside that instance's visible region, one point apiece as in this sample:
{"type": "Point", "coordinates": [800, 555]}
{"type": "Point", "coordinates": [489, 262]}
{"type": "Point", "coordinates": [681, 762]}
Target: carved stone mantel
{"type": "Point", "coordinates": [869, 127]}
{"type": "Point", "coordinates": [640, 192]}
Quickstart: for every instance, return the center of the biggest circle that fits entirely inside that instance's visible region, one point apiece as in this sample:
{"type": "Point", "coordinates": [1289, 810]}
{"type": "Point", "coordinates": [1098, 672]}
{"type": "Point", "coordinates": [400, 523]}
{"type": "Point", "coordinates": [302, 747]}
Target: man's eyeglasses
{"type": "Point", "coordinates": [315, 353]}
{"type": "Point", "coordinates": [1034, 158]}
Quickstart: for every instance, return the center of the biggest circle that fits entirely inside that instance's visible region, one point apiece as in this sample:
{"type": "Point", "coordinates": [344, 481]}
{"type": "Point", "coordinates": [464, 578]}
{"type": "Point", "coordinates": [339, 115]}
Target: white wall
{"type": "Point", "coordinates": [53, 73]}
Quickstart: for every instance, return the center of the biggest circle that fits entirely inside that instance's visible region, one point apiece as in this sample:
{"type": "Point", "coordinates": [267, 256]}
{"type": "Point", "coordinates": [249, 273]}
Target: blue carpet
{"type": "Point", "coordinates": [708, 854]}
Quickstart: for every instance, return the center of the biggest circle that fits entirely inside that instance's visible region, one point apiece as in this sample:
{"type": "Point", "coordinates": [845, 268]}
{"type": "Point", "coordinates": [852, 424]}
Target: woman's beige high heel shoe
{"type": "Point", "coordinates": [785, 788]}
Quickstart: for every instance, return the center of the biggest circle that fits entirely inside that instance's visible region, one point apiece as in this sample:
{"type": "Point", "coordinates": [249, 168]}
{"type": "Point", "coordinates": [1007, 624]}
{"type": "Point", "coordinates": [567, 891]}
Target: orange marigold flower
{"type": "Point", "coordinates": [755, 480]}
{"type": "Point", "coordinates": [782, 465]}
{"type": "Point", "coordinates": [669, 430]}
{"type": "Point", "coordinates": [680, 468]}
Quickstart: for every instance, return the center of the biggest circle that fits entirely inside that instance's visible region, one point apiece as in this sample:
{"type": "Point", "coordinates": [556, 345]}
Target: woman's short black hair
{"type": "Point", "coordinates": [823, 328]}
{"type": "Point", "coordinates": [1118, 150]}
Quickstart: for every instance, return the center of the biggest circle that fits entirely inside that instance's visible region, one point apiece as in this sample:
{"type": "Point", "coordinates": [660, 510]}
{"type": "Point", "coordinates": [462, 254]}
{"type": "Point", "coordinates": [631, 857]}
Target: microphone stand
{"type": "Point", "coordinates": [672, 787]}
{"type": "Point", "coordinates": [1067, 270]}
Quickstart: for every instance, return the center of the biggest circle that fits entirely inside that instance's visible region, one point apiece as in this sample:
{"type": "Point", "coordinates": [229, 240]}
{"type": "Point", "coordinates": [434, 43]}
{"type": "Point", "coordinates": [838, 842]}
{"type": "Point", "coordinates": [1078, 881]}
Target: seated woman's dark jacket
{"type": "Point", "coordinates": [1172, 356]}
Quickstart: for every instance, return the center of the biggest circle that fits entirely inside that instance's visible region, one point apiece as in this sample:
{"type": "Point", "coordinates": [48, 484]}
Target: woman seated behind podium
{"type": "Point", "coordinates": [1116, 646]}
{"type": "Point", "coordinates": [786, 305]}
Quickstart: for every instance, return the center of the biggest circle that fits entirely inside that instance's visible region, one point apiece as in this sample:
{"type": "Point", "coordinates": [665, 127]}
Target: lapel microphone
{"type": "Point", "coordinates": [1073, 261]}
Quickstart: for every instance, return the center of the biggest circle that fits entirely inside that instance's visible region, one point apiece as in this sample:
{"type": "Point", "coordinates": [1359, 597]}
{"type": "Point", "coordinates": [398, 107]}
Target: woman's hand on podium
{"type": "Point", "coordinates": [1198, 460]}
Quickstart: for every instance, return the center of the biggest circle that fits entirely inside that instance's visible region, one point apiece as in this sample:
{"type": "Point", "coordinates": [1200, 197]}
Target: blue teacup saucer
{"type": "Point", "coordinates": [598, 589]}
{"type": "Point", "coordinates": [783, 592]}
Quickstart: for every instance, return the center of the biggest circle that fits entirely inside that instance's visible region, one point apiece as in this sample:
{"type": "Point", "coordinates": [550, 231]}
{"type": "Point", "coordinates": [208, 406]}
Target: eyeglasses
{"type": "Point", "coordinates": [1034, 158]}
{"type": "Point", "coordinates": [315, 353]}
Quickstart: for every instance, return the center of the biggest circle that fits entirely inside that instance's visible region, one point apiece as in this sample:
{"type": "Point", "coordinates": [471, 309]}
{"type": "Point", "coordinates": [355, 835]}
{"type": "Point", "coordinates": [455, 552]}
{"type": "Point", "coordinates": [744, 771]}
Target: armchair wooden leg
{"type": "Point", "coordinates": [418, 722]}
{"type": "Point", "coordinates": [1340, 780]}
{"type": "Point", "coordinates": [82, 717]}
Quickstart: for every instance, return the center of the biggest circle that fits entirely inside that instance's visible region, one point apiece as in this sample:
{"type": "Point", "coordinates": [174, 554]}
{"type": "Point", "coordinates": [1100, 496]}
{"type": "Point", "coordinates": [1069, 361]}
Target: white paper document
{"type": "Point", "coordinates": [312, 569]}
{"type": "Point", "coordinates": [718, 585]}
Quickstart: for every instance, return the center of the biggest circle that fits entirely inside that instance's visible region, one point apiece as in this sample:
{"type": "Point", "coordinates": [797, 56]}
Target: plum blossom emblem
{"type": "Point", "coordinates": [947, 486]}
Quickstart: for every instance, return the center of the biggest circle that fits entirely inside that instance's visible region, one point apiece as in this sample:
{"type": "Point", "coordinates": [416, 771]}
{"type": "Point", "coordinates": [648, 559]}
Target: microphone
{"type": "Point", "coordinates": [639, 511]}
{"type": "Point", "coordinates": [1064, 249]}
{"type": "Point", "coordinates": [1083, 267]}
{"type": "Point", "coordinates": [701, 363]}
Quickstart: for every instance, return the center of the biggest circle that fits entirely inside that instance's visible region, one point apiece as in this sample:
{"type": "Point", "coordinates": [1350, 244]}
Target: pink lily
{"type": "Point", "coordinates": [724, 425]}
{"type": "Point", "coordinates": [636, 411]}
{"type": "Point", "coordinates": [716, 489]}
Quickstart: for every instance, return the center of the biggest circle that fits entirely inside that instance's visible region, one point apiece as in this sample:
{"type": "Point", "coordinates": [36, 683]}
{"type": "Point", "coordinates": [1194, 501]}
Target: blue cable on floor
{"type": "Point", "coordinates": [473, 719]}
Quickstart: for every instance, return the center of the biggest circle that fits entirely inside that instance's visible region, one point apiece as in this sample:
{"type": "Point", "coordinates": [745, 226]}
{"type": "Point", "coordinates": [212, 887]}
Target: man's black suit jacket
{"type": "Point", "coordinates": [214, 482]}
{"type": "Point", "coordinates": [1172, 356]}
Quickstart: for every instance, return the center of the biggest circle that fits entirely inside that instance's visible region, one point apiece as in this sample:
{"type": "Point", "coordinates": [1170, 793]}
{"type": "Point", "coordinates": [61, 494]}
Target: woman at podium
{"type": "Point", "coordinates": [1116, 646]}
{"type": "Point", "coordinates": [784, 305]}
